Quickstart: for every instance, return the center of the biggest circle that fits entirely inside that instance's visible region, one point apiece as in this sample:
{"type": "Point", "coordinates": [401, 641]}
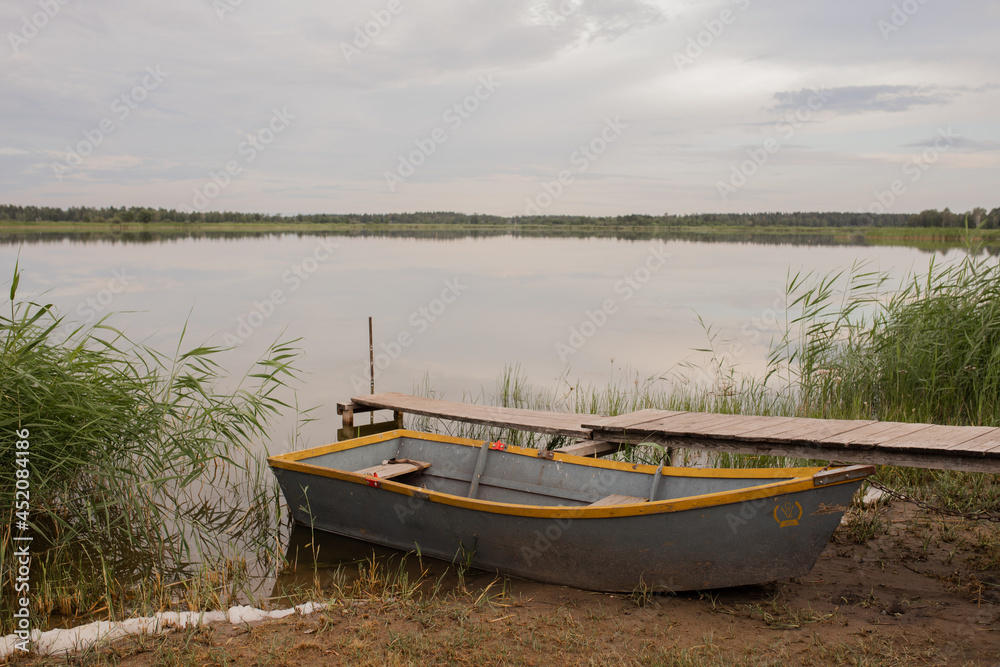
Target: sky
{"type": "Point", "coordinates": [513, 107]}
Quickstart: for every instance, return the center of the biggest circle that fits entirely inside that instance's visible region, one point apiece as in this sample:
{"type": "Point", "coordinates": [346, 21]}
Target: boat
{"type": "Point", "coordinates": [588, 523]}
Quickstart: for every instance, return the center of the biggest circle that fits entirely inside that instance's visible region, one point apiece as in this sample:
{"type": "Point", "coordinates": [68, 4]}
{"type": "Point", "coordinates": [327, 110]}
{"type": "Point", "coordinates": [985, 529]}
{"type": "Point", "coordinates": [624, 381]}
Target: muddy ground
{"type": "Point", "coordinates": [899, 586]}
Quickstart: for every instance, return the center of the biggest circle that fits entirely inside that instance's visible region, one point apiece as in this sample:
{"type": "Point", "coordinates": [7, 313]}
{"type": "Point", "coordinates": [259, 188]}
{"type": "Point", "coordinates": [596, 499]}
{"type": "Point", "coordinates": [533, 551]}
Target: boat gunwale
{"type": "Point", "coordinates": [801, 480]}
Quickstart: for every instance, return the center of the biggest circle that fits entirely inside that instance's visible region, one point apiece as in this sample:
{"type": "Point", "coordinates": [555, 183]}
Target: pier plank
{"type": "Point", "coordinates": [983, 444]}
{"type": "Point", "coordinates": [866, 436]}
{"type": "Point", "coordinates": [683, 422]}
{"type": "Point", "coordinates": [771, 429]}
{"type": "Point", "coordinates": [898, 430]}
{"type": "Point", "coordinates": [937, 437]}
{"type": "Point", "coordinates": [630, 420]}
{"type": "Point", "coordinates": [814, 430]}
{"type": "Point", "coordinates": [745, 425]}
{"type": "Point", "coordinates": [553, 423]}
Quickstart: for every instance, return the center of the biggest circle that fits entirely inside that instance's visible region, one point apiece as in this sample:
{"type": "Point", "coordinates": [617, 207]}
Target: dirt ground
{"type": "Point", "coordinates": [921, 589]}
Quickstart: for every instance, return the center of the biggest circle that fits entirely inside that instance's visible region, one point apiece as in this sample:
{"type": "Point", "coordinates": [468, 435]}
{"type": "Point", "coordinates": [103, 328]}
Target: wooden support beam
{"type": "Point", "coordinates": [346, 410]}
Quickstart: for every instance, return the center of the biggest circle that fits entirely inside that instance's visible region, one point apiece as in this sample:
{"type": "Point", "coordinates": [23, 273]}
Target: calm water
{"type": "Point", "coordinates": [454, 311]}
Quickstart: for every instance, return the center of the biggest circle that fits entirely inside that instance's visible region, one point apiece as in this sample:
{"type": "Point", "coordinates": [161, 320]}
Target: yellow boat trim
{"type": "Point", "coordinates": [801, 481]}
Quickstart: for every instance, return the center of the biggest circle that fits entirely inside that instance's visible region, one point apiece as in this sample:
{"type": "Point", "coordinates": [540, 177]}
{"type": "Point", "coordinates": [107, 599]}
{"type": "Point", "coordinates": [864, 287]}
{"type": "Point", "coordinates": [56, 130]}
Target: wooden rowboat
{"type": "Point", "coordinates": [561, 519]}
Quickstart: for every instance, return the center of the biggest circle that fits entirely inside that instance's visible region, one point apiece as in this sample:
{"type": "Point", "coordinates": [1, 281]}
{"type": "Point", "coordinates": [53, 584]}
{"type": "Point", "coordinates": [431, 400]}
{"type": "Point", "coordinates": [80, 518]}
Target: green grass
{"type": "Point", "coordinates": [138, 468]}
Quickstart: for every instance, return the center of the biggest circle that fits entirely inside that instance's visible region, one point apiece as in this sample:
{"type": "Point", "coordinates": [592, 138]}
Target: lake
{"type": "Point", "coordinates": [449, 313]}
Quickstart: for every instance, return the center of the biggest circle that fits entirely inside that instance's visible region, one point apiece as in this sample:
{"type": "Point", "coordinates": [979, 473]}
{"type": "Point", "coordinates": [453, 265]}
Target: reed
{"type": "Point", "coordinates": [854, 345]}
{"type": "Point", "coordinates": [926, 351]}
{"type": "Point", "coordinates": [139, 467]}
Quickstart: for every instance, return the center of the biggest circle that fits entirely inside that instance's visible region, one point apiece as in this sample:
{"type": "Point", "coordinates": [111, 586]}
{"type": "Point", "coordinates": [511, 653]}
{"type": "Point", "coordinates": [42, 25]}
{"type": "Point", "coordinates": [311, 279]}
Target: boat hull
{"type": "Point", "coordinates": [761, 533]}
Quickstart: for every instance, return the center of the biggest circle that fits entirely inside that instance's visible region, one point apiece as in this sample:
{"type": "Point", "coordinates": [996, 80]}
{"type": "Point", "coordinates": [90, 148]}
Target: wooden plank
{"type": "Point", "coordinates": [988, 442]}
{"type": "Point", "coordinates": [684, 423]}
{"type": "Point", "coordinates": [866, 436]}
{"type": "Point", "coordinates": [615, 499]}
{"type": "Point", "coordinates": [932, 459]}
{"type": "Point", "coordinates": [937, 437]}
{"type": "Point", "coordinates": [552, 423]}
{"type": "Point", "coordinates": [766, 430]}
{"type": "Point", "coordinates": [391, 469]}
{"type": "Point", "coordinates": [813, 430]}
{"type": "Point", "coordinates": [746, 424]}
{"type": "Point", "coordinates": [590, 448]}
{"type": "Point", "coordinates": [897, 429]}
{"type": "Point", "coordinates": [629, 420]}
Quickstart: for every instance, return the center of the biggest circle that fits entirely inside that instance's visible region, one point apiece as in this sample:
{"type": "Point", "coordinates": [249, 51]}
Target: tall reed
{"type": "Point", "coordinates": [928, 351]}
{"type": "Point", "coordinates": [138, 465]}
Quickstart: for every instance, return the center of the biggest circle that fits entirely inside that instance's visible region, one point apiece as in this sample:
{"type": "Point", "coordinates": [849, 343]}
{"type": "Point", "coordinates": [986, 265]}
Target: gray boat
{"type": "Point", "coordinates": [582, 522]}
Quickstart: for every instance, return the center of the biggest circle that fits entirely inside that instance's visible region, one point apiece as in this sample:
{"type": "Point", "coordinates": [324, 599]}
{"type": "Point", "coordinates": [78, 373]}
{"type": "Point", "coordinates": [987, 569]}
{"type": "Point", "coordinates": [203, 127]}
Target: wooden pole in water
{"type": "Point", "coordinates": [371, 362]}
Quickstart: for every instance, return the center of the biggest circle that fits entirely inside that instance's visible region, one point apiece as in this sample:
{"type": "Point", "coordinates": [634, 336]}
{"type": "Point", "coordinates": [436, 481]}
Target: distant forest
{"type": "Point", "coordinates": [977, 217]}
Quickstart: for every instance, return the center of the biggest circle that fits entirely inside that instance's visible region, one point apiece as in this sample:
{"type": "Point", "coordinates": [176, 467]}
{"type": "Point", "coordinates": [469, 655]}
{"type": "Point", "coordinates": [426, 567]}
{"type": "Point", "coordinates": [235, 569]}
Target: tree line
{"type": "Point", "coordinates": [977, 218]}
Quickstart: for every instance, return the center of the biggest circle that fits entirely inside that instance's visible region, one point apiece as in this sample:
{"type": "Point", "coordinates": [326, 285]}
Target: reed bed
{"type": "Point", "coordinates": [144, 479]}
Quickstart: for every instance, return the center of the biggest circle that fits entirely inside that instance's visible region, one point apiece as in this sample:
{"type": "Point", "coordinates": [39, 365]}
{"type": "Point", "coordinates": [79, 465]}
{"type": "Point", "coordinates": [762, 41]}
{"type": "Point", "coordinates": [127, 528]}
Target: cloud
{"type": "Point", "coordinates": [850, 100]}
{"type": "Point", "coordinates": [596, 20]}
{"type": "Point", "coordinates": [964, 144]}
{"type": "Point", "coordinates": [563, 66]}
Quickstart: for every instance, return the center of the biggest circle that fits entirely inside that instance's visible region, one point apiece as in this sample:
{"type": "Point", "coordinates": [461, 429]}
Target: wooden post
{"type": "Point", "coordinates": [347, 419]}
{"type": "Point", "coordinates": [371, 360]}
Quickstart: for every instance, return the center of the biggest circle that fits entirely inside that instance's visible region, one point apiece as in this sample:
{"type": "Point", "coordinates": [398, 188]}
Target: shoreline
{"type": "Point", "coordinates": [871, 235]}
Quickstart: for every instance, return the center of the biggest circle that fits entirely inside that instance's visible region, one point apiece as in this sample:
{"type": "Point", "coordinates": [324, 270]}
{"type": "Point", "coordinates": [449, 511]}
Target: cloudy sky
{"type": "Point", "coordinates": [591, 107]}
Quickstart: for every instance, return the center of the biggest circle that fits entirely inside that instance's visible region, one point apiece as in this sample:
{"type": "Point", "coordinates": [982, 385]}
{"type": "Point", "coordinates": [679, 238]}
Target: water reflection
{"type": "Point", "coordinates": [804, 238]}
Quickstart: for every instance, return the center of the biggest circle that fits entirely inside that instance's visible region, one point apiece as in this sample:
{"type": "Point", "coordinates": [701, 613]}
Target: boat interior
{"type": "Point", "coordinates": [494, 472]}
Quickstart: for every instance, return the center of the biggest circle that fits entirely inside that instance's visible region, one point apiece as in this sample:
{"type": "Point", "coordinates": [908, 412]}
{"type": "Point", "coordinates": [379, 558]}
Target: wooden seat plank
{"type": "Point", "coordinates": [391, 469]}
{"type": "Point", "coordinates": [615, 499]}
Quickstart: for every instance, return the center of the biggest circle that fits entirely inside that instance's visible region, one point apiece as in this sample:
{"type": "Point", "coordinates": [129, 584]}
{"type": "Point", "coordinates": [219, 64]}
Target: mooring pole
{"type": "Point", "coordinates": [371, 362]}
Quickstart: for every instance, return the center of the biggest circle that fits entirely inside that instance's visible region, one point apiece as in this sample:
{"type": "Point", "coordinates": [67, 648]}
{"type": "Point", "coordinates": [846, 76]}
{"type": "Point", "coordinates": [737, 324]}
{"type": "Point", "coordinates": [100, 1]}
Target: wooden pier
{"type": "Point", "coordinates": [971, 448]}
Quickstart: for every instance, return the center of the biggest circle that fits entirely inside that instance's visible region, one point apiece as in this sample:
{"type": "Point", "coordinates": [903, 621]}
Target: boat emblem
{"type": "Point", "coordinates": [498, 445]}
{"type": "Point", "coordinates": [787, 514]}
{"type": "Point", "coordinates": [373, 481]}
